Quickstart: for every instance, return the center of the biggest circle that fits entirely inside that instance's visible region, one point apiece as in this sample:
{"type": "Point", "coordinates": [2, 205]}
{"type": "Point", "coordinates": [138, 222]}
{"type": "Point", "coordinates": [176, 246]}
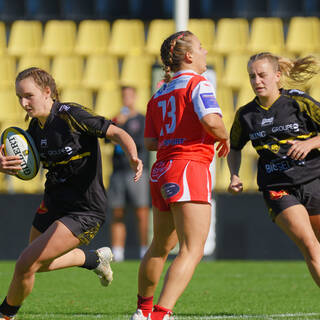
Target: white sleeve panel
{"type": "Point", "coordinates": [204, 99]}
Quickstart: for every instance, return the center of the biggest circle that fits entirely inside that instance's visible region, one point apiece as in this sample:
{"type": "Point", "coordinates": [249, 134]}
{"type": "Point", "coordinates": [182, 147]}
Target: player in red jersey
{"type": "Point", "coordinates": [183, 122]}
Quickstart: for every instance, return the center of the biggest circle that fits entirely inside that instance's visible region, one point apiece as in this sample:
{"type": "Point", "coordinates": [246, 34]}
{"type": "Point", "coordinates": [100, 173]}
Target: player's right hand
{"type": "Point", "coordinates": [9, 164]}
{"type": "Point", "coordinates": [235, 185]}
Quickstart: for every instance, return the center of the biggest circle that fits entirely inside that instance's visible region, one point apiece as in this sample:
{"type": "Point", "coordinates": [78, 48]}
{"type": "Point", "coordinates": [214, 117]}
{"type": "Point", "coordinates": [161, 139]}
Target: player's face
{"type": "Point", "coordinates": [33, 99]}
{"type": "Point", "coordinates": [263, 78]}
{"type": "Point", "coordinates": [199, 55]}
{"type": "Point", "coordinates": [128, 97]}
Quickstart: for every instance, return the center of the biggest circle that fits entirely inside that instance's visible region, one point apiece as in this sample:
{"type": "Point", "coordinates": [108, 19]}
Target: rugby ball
{"type": "Point", "coordinates": [18, 142]}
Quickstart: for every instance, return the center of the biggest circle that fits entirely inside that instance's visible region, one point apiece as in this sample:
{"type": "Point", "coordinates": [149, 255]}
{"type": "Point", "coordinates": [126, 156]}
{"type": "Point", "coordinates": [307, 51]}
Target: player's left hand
{"type": "Point", "coordinates": [299, 149]}
{"type": "Point", "coordinates": [137, 166]}
{"type": "Point", "coordinates": [223, 148]}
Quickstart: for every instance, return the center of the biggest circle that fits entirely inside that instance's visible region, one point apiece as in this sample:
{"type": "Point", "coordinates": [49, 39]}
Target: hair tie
{"type": "Point", "coordinates": [176, 39]}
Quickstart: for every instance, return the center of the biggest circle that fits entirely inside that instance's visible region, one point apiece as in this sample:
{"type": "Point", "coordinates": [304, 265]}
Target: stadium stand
{"type": "Point", "coordinates": [284, 8]}
{"type": "Point", "coordinates": [11, 10]}
{"type": "Point", "coordinates": [303, 35]}
{"type": "Point", "coordinates": [127, 37]}
{"type": "Point", "coordinates": [232, 36]}
{"type": "Point", "coordinates": [59, 37]}
{"type": "Point", "coordinates": [92, 37]}
{"type": "Point", "coordinates": [101, 71]}
{"type": "Point", "coordinates": [77, 9]}
{"type": "Point", "coordinates": [39, 61]}
{"type": "Point", "coordinates": [42, 10]}
{"type": "Point", "coordinates": [78, 95]}
{"type": "Point", "coordinates": [7, 72]}
{"type": "Point", "coordinates": [108, 102]}
{"type": "Point", "coordinates": [25, 38]}
{"type": "Point", "coordinates": [250, 9]}
{"type": "Point", "coordinates": [3, 38]}
{"type": "Point", "coordinates": [67, 70]}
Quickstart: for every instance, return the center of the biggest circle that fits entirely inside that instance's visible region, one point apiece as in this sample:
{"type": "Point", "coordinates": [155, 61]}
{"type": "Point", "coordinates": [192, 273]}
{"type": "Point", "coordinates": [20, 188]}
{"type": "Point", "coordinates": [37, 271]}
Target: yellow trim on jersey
{"type": "Point", "coordinates": [266, 108]}
{"type": "Point", "coordinates": [303, 137]}
{"type": "Point", "coordinates": [76, 157]}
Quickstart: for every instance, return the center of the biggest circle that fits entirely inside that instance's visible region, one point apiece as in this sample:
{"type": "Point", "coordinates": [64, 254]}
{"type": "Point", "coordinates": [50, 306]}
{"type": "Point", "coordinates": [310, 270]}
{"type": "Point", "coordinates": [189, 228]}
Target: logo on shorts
{"type": "Point", "coordinates": [275, 195]}
{"type": "Point", "coordinates": [169, 190]}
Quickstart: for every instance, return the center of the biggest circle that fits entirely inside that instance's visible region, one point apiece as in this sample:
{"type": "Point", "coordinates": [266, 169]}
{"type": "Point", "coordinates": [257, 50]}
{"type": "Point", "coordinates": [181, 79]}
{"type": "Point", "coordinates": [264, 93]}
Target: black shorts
{"type": "Point", "coordinates": [307, 194]}
{"type": "Point", "coordinates": [84, 227]}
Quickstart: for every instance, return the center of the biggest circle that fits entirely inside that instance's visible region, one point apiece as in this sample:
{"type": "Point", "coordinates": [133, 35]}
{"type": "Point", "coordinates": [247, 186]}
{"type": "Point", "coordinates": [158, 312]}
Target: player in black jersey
{"type": "Point", "coordinates": [73, 208]}
{"type": "Point", "coordinates": [283, 127]}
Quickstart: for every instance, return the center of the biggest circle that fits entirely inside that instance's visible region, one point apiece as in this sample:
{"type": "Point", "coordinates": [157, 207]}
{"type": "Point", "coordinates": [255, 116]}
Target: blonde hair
{"type": "Point", "coordinates": [293, 71]}
{"type": "Point", "coordinates": [42, 78]}
{"type": "Point", "coordinates": [173, 50]}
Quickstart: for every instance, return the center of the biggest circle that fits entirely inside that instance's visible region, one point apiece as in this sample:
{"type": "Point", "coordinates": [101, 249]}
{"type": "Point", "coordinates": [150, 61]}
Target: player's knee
{"type": "Point", "coordinates": [27, 265]}
{"type": "Point", "coordinates": [310, 248]}
{"type": "Point", "coordinates": [117, 215]}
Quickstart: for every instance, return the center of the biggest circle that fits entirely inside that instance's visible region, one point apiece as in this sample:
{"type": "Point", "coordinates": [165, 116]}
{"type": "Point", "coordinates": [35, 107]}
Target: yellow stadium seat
{"type": "Point", "coordinates": [3, 183]}
{"type": "Point", "coordinates": [303, 35]}
{"type": "Point", "coordinates": [10, 109]}
{"type": "Point", "coordinates": [266, 35]}
{"type": "Point", "coordinates": [67, 70]}
{"type": "Point", "coordinates": [79, 95]}
{"type": "Point", "coordinates": [127, 37]}
{"type": "Point", "coordinates": [59, 37]}
{"type": "Point", "coordinates": [39, 61]}
{"type": "Point", "coordinates": [315, 91]}
{"type": "Point", "coordinates": [108, 102]}
{"type": "Point", "coordinates": [33, 186]}
{"type": "Point", "coordinates": [136, 71]}
{"type": "Point", "coordinates": [143, 97]}
{"type": "Point", "coordinates": [225, 100]}
{"type": "Point", "coordinates": [101, 71]}
{"type": "Point", "coordinates": [3, 39]}
{"type": "Point", "coordinates": [92, 37]}
{"type": "Point", "coordinates": [25, 38]}
{"type": "Point", "coordinates": [158, 31]}
{"type": "Point", "coordinates": [232, 36]}
{"type": "Point", "coordinates": [245, 95]}
{"type": "Point", "coordinates": [248, 169]}
{"type": "Point", "coordinates": [7, 71]}
{"type": "Point", "coordinates": [221, 176]}
{"type": "Point", "coordinates": [204, 30]}
{"type": "Point", "coordinates": [235, 74]}
{"type": "Point", "coordinates": [216, 61]}
{"type": "Point", "coordinates": [106, 156]}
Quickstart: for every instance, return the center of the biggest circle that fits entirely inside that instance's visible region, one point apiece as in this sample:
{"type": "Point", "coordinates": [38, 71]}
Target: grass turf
{"type": "Point", "coordinates": [218, 290]}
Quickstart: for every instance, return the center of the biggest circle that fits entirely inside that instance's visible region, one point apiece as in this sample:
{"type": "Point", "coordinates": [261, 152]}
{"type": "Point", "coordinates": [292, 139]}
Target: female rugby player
{"type": "Point", "coordinates": [283, 127]}
{"type": "Point", "coordinates": [73, 208]}
{"type": "Point", "coordinates": [183, 122]}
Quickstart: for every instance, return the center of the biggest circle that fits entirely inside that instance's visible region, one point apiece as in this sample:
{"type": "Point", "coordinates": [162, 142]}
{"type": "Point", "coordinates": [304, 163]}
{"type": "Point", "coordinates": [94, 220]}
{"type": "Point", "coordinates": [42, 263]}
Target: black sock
{"type": "Point", "coordinates": [8, 310]}
{"type": "Point", "coordinates": [92, 260]}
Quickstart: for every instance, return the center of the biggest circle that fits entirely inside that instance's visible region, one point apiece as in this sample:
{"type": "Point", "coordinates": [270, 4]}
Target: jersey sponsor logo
{"type": "Point", "coordinates": [287, 127]}
{"type": "Point", "coordinates": [257, 135]}
{"type": "Point", "coordinates": [43, 143]}
{"type": "Point", "coordinates": [209, 101]}
{"type": "Point", "coordinates": [64, 107]}
{"type": "Point", "coordinates": [172, 142]}
{"type": "Point", "coordinates": [66, 150]}
{"type": "Point", "coordinates": [169, 190]}
{"type": "Point", "coordinates": [267, 122]}
{"type": "Point", "coordinates": [296, 91]}
{"type": "Point", "coordinates": [281, 165]}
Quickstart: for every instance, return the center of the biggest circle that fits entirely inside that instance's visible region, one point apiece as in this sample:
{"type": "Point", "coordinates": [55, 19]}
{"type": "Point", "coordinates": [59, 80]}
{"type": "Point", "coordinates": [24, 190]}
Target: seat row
{"type": "Point", "coordinates": [134, 37]}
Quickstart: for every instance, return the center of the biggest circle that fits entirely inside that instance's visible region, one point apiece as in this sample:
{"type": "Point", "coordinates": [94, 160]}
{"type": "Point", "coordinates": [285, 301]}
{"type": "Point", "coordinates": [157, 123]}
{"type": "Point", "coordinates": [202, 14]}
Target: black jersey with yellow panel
{"type": "Point", "coordinates": [69, 149]}
{"type": "Point", "coordinates": [293, 116]}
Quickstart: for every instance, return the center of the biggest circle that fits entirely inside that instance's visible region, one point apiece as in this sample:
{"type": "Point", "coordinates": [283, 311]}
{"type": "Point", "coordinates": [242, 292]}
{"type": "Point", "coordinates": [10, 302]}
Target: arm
{"type": "Point", "coordinates": [9, 164]}
{"type": "Point", "coordinates": [151, 144]}
{"type": "Point", "coordinates": [214, 125]}
{"type": "Point", "coordinates": [300, 149]}
{"type": "Point", "coordinates": [122, 138]}
{"type": "Point", "coordinates": [234, 162]}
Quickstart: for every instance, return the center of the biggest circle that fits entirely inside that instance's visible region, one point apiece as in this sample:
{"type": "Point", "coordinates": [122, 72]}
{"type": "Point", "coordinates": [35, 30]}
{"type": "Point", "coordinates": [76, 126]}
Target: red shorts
{"type": "Point", "coordinates": [179, 181]}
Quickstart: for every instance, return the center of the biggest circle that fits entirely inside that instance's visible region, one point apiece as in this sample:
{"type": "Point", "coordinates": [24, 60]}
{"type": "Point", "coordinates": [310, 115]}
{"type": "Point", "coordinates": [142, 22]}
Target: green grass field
{"type": "Point", "coordinates": [218, 290]}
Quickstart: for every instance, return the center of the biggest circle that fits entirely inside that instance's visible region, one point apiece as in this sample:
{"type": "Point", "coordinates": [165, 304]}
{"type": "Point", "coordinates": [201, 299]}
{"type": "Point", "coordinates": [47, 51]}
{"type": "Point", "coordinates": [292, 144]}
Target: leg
{"type": "Point", "coordinates": [164, 240]}
{"type": "Point", "coordinates": [192, 221]}
{"type": "Point", "coordinates": [118, 233]}
{"type": "Point", "coordinates": [295, 222]}
{"type": "Point", "coordinates": [56, 241]}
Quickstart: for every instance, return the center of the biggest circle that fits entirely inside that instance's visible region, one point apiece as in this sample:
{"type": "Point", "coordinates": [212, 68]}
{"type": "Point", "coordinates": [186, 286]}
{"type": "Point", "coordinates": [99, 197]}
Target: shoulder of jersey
{"type": "Point", "coordinates": [18, 142]}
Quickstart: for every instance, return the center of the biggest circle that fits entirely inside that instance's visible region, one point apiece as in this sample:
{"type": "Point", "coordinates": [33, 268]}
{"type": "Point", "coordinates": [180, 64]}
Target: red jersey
{"type": "Point", "coordinates": [173, 117]}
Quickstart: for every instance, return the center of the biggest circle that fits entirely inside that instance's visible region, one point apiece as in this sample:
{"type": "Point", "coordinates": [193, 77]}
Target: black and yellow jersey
{"type": "Point", "coordinates": [69, 149]}
{"type": "Point", "coordinates": [294, 115]}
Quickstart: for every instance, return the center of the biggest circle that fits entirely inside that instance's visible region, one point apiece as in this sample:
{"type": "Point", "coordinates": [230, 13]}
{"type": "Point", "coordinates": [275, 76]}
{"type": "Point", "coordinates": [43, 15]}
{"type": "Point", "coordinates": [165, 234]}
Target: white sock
{"type": "Point", "coordinates": [118, 253]}
{"type": "Point", "coordinates": [143, 250]}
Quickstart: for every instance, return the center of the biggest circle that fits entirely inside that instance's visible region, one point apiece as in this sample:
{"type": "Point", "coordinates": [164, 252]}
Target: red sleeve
{"type": "Point", "coordinates": [150, 128]}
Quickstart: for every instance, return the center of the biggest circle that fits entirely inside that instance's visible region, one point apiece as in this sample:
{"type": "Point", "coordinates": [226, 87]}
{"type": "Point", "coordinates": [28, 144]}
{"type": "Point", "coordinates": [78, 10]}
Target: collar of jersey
{"type": "Point", "coordinates": [268, 107]}
{"type": "Point", "coordinates": [179, 73]}
{"type": "Point", "coordinates": [52, 111]}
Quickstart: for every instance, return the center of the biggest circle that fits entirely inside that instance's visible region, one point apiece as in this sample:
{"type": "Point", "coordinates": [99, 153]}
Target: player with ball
{"type": "Point", "coordinates": [73, 208]}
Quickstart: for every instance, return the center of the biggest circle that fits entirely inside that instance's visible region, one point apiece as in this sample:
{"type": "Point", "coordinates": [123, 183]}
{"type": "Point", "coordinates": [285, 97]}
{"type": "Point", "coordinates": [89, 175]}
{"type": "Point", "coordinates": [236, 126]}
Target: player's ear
{"type": "Point", "coordinates": [47, 91]}
{"type": "Point", "coordinates": [188, 57]}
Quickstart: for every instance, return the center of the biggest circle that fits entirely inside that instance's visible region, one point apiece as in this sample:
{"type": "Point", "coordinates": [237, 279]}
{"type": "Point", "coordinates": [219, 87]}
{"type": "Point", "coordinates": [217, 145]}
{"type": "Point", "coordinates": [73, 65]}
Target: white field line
{"type": "Point", "coordinates": [213, 317]}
